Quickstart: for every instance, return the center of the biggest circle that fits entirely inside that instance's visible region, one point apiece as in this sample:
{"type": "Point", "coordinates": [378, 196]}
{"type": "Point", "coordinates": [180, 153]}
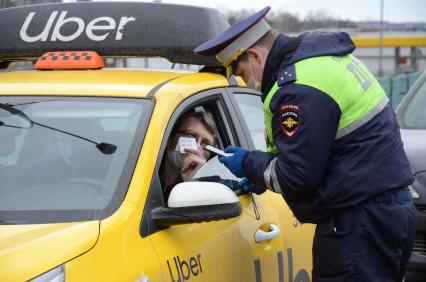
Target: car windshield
{"type": "Point", "coordinates": [414, 111]}
{"type": "Point", "coordinates": [52, 166]}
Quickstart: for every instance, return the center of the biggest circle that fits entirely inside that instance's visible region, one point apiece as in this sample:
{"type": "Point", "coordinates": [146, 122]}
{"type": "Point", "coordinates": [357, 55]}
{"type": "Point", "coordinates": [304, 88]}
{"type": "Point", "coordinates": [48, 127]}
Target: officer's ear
{"type": "Point", "coordinates": [258, 55]}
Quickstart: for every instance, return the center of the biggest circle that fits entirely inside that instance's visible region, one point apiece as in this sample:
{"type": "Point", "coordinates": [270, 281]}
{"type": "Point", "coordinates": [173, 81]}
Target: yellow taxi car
{"type": "Point", "coordinates": [82, 145]}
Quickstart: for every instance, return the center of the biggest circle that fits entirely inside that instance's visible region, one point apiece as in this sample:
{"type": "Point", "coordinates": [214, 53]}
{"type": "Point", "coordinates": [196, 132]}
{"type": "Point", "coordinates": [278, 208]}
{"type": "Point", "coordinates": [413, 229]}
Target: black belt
{"type": "Point", "coordinates": [392, 197]}
{"type": "Point", "coordinates": [345, 219]}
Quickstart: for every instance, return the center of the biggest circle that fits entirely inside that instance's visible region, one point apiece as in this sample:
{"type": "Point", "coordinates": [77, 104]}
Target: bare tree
{"type": "Point", "coordinates": [289, 23]}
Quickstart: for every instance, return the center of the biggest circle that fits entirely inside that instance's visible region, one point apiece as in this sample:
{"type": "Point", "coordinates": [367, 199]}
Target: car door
{"type": "Point", "coordinates": [222, 250]}
{"type": "Point", "coordinates": [296, 238]}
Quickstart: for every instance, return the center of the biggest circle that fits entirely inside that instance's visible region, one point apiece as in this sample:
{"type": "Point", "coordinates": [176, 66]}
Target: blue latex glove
{"type": "Point", "coordinates": [235, 163]}
{"type": "Point", "coordinates": [247, 187]}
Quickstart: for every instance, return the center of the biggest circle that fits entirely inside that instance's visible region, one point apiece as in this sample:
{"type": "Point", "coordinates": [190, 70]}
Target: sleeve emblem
{"type": "Point", "coordinates": [290, 119]}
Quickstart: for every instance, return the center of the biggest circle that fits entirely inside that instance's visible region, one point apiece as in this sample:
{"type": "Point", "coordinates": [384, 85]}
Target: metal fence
{"type": "Point", "coordinates": [398, 85]}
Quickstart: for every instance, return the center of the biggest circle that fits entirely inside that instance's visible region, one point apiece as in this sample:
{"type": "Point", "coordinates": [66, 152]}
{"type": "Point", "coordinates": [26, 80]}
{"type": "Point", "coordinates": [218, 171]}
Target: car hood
{"type": "Point", "coordinates": [27, 251]}
{"type": "Point", "coordinates": [415, 147]}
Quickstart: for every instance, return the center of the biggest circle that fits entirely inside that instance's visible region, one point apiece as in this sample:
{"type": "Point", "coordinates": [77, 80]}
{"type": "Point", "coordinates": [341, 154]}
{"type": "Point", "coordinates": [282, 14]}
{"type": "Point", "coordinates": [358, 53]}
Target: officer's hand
{"type": "Point", "coordinates": [235, 163]}
{"type": "Point", "coordinates": [249, 187]}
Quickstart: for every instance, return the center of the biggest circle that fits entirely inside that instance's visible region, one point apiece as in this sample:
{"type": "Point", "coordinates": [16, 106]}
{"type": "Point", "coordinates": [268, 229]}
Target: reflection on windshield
{"type": "Point", "coordinates": [46, 170]}
{"type": "Point", "coordinates": [105, 148]}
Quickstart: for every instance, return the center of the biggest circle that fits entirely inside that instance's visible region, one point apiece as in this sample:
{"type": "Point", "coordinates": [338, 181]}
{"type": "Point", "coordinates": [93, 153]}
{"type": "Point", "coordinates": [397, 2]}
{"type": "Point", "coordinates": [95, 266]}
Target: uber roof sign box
{"type": "Point", "coordinates": [111, 29]}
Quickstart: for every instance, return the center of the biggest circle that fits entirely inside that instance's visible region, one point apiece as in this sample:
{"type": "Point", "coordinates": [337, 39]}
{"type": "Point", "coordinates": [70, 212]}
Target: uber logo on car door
{"type": "Point", "coordinates": [183, 269]}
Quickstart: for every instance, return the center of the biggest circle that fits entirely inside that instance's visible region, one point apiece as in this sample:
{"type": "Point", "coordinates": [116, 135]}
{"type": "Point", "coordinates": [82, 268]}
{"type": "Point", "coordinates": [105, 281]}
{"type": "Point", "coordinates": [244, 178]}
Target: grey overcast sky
{"type": "Point", "coordinates": [394, 10]}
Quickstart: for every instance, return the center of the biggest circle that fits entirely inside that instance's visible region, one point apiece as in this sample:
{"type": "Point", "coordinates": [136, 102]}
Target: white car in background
{"type": "Point", "coordinates": [412, 119]}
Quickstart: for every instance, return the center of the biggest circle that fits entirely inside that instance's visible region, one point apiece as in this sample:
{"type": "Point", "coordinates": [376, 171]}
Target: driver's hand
{"type": "Point", "coordinates": [192, 160]}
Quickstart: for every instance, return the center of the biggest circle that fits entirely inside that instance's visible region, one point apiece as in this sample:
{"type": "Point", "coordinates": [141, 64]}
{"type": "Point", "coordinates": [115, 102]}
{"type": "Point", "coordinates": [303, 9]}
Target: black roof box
{"type": "Point", "coordinates": [121, 29]}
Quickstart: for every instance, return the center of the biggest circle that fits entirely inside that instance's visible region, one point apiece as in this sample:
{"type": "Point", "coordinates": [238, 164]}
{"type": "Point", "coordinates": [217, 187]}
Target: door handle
{"type": "Point", "coordinates": [261, 235]}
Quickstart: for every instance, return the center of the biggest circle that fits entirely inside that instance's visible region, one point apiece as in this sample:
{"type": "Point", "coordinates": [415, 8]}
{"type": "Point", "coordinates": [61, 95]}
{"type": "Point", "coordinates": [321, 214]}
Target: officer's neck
{"type": "Point", "coordinates": [272, 63]}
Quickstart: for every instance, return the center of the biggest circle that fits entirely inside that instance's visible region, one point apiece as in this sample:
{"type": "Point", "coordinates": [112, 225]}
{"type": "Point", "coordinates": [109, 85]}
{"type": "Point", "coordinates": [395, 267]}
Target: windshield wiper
{"type": "Point", "coordinates": [12, 126]}
{"type": "Point", "coordinates": [16, 112]}
{"type": "Point", "coordinates": [105, 148]}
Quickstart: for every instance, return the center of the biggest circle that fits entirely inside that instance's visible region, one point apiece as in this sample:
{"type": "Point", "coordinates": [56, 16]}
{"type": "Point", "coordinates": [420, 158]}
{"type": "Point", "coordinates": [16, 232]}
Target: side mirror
{"type": "Point", "coordinates": [191, 202]}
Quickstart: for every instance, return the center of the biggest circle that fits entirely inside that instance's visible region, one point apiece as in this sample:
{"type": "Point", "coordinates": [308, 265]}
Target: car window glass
{"type": "Point", "coordinates": [415, 112]}
{"type": "Point", "coordinates": [252, 109]}
{"type": "Point", "coordinates": [54, 164]}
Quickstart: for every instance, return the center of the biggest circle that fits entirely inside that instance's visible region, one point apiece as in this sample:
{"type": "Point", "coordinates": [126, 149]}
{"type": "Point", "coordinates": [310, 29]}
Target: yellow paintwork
{"type": "Point", "coordinates": [29, 250]}
{"type": "Point", "coordinates": [166, 102]}
{"type": "Point", "coordinates": [120, 253]}
{"type": "Point", "coordinates": [389, 41]}
{"type": "Point", "coordinates": [129, 83]}
{"type": "Point", "coordinates": [224, 240]}
{"type": "Point", "coordinates": [298, 236]}
{"type": "Point", "coordinates": [112, 249]}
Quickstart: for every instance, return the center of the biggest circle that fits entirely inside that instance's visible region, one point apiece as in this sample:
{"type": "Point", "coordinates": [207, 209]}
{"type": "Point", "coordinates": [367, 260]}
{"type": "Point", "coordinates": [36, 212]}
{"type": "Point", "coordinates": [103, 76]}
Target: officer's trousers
{"type": "Point", "coordinates": [370, 242]}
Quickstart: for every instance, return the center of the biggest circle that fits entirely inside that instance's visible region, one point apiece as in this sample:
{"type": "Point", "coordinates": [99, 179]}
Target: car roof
{"type": "Point", "coordinates": [42, 31]}
{"type": "Point", "coordinates": [107, 82]}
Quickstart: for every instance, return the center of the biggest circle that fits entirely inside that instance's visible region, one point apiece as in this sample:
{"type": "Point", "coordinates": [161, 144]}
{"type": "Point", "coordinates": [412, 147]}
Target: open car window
{"type": "Point", "coordinates": [212, 170]}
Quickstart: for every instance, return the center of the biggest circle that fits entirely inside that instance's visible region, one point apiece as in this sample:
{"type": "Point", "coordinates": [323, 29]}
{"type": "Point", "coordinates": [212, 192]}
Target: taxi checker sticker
{"type": "Point", "coordinates": [290, 119]}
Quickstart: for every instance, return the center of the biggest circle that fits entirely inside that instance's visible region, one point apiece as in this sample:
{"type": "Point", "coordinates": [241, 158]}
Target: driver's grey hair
{"type": "Point", "coordinates": [206, 118]}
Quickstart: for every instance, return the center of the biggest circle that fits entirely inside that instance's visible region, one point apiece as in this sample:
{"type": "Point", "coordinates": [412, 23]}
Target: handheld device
{"type": "Point", "coordinates": [216, 151]}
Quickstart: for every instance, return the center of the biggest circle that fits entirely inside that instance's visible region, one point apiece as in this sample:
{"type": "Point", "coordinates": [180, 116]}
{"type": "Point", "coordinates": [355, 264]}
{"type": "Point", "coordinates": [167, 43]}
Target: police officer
{"type": "Point", "coordinates": [334, 149]}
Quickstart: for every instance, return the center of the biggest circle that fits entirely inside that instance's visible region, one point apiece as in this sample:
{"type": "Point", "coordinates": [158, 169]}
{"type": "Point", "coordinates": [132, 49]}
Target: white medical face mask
{"type": "Point", "coordinates": [201, 151]}
{"type": "Point", "coordinates": [253, 83]}
{"type": "Point", "coordinates": [175, 158]}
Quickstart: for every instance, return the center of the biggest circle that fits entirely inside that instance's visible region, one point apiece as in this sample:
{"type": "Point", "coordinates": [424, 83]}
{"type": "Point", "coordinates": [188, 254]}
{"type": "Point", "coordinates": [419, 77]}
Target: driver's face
{"type": "Point", "coordinates": [192, 127]}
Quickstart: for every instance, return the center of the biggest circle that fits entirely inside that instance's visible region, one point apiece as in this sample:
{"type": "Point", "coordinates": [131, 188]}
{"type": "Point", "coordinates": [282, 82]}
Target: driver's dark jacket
{"type": "Point", "coordinates": [326, 174]}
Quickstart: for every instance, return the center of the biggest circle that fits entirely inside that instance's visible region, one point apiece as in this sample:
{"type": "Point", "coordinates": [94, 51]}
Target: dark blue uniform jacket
{"type": "Point", "coordinates": [317, 173]}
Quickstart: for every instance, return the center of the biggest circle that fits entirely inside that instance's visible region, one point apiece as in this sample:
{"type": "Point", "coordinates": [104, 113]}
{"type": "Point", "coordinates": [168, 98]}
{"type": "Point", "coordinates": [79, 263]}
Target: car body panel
{"type": "Point", "coordinates": [126, 242]}
{"type": "Point", "coordinates": [120, 253]}
{"type": "Point", "coordinates": [414, 144]}
{"type": "Point", "coordinates": [297, 240]}
{"type": "Point", "coordinates": [104, 82]}
{"type": "Point", "coordinates": [166, 103]}
{"type": "Point", "coordinates": [232, 239]}
{"type": "Point", "coordinates": [213, 242]}
{"type": "Point", "coordinates": [29, 250]}
{"type": "Point", "coordinates": [215, 251]}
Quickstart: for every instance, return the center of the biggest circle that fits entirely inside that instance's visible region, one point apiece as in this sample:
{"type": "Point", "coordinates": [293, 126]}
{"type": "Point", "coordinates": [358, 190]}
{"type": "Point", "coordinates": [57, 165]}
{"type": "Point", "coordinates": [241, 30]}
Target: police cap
{"type": "Point", "coordinates": [230, 44]}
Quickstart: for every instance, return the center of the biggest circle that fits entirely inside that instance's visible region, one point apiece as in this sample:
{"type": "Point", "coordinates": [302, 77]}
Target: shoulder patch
{"type": "Point", "coordinates": [290, 119]}
{"type": "Point", "coordinates": [286, 75]}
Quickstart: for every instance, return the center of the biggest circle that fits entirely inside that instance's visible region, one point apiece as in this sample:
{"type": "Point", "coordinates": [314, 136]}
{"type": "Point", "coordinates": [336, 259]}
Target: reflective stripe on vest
{"type": "Point", "coordinates": [347, 81]}
{"type": "Point", "coordinates": [270, 144]}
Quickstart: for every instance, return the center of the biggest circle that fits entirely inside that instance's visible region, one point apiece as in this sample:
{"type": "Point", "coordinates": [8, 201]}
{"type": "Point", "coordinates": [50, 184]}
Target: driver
{"type": "Point", "coordinates": [178, 167]}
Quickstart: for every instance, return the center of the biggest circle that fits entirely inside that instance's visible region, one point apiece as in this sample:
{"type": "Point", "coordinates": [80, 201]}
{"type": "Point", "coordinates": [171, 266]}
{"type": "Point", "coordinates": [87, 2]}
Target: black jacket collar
{"type": "Point", "coordinates": [273, 61]}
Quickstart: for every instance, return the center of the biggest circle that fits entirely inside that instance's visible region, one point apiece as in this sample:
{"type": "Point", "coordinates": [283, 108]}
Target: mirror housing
{"type": "Point", "coordinates": [192, 202]}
